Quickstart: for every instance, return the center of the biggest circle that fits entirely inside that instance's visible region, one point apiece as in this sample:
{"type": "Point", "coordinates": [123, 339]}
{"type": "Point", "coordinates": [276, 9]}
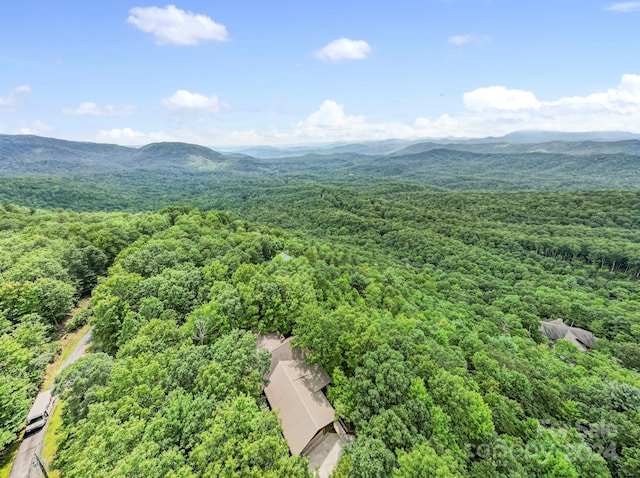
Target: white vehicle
{"type": "Point", "coordinates": [40, 412]}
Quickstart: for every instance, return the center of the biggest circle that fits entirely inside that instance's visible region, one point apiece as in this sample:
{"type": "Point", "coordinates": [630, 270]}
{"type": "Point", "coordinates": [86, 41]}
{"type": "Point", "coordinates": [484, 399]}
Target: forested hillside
{"type": "Point", "coordinates": [424, 306]}
{"type": "Point", "coordinates": [181, 167]}
{"type": "Point", "coordinates": [361, 239]}
{"type": "Point", "coordinates": [47, 261]}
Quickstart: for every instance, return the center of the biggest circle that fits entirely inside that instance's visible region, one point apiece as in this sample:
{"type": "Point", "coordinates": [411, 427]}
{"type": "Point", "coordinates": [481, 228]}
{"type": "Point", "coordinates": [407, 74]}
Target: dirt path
{"type": "Point", "coordinates": [23, 463]}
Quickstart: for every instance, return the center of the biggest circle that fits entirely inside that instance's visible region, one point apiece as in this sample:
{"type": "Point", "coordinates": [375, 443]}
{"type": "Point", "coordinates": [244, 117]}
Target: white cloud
{"type": "Point", "coordinates": [500, 98]}
{"type": "Point", "coordinates": [15, 96]}
{"type": "Point", "coordinates": [329, 114]}
{"type": "Point", "coordinates": [120, 135]}
{"type": "Point", "coordinates": [129, 136]}
{"type": "Point", "coordinates": [623, 7]}
{"type": "Point", "coordinates": [498, 110]}
{"type": "Point", "coordinates": [489, 111]}
{"type": "Point", "coordinates": [173, 26]}
{"type": "Point", "coordinates": [623, 100]}
{"type": "Point", "coordinates": [331, 123]}
{"type": "Point", "coordinates": [183, 100]}
{"type": "Point", "coordinates": [459, 40]}
{"type": "Point", "coordinates": [444, 126]}
{"type": "Point", "coordinates": [91, 109]}
{"type": "Point", "coordinates": [344, 49]}
{"type": "Point", "coordinates": [35, 127]}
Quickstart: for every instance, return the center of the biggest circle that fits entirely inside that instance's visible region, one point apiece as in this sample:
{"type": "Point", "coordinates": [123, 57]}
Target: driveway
{"type": "Point", "coordinates": [23, 462]}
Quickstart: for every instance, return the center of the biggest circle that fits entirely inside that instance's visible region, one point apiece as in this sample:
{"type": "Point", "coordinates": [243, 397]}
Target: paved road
{"type": "Point", "coordinates": [79, 351]}
{"type": "Point", "coordinates": [22, 464]}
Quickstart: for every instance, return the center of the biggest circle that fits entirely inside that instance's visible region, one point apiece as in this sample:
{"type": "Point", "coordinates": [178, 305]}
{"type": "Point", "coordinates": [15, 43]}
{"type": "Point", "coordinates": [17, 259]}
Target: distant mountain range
{"type": "Point", "coordinates": [488, 164]}
{"type": "Point", "coordinates": [546, 136]}
{"type": "Point", "coordinates": [394, 146]}
{"type": "Point", "coordinates": [366, 147]}
{"type": "Point", "coordinates": [576, 148]}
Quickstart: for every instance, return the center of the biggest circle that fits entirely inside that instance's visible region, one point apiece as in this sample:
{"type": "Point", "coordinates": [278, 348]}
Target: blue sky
{"type": "Point", "coordinates": [283, 72]}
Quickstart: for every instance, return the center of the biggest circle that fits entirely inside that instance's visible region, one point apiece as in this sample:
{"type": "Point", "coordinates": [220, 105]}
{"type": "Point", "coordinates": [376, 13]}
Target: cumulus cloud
{"type": "Point", "coordinates": [123, 135]}
{"type": "Point", "coordinates": [88, 108]}
{"type": "Point", "coordinates": [500, 98]}
{"type": "Point", "coordinates": [183, 100]}
{"type": "Point", "coordinates": [173, 26]}
{"type": "Point", "coordinates": [330, 123]}
{"type": "Point", "coordinates": [15, 96]}
{"type": "Point", "coordinates": [622, 100]}
{"type": "Point", "coordinates": [133, 137]}
{"type": "Point", "coordinates": [497, 110]}
{"type": "Point", "coordinates": [489, 111]}
{"type": "Point", "coordinates": [623, 7]}
{"type": "Point", "coordinates": [344, 49]}
{"type": "Point", "coordinates": [330, 114]}
{"type": "Point", "coordinates": [330, 120]}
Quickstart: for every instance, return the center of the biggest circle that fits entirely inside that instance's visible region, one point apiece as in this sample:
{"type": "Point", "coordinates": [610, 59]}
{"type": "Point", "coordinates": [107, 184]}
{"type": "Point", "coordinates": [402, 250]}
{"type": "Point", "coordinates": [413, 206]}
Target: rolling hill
{"type": "Point", "coordinates": [25, 155]}
{"type": "Point", "coordinates": [555, 165]}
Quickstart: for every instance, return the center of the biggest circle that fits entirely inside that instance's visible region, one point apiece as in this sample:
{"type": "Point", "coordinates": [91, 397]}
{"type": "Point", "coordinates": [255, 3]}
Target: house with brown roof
{"type": "Point", "coordinates": [295, 389]}
{"type": "Point", "coordinates": [557, 329]}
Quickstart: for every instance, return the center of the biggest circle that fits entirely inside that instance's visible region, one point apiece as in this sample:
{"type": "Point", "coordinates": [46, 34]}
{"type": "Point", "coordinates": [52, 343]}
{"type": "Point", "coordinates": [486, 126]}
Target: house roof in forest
{"type": "Point", "coordinates": [282, 350]}
{"type": "Point", "coordinates": [557, 329]}
{"type": "Point", "coordinates": [302, 410]}
{"type": "Point", "coordinates": [295, 389]}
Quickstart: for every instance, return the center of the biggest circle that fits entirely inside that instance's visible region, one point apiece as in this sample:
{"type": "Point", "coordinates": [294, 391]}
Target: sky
{"type": "Point", "coordinates": [278, 72]}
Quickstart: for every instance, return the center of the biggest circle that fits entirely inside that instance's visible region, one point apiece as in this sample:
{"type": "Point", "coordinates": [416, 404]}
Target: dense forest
{"type": "Point", "coordinates": [47, 261]}
{"type": "Point", "coordinates": [417, 280]}
{"type": "Point", "coordinates": [423, 305]}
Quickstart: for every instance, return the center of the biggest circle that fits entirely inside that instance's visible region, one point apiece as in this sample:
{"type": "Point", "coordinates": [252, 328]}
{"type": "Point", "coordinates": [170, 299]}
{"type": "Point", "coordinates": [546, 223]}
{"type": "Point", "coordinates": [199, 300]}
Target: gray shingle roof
{"type": "Point", "coordinates": [557, 329]}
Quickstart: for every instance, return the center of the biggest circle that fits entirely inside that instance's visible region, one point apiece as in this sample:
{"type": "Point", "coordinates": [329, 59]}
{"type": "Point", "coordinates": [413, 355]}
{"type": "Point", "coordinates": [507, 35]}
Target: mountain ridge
{"type": "Point", "coordinates": [460, 166]}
